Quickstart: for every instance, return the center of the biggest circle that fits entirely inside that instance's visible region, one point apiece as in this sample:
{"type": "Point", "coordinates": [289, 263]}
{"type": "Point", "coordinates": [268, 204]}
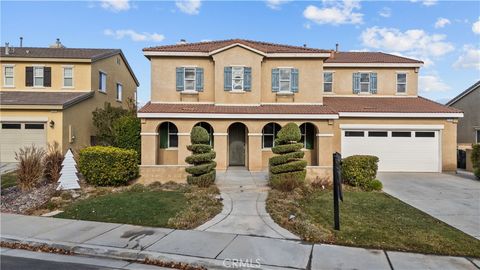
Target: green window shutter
{"type": "Point", "coordinates": [373, 83]}
{"type": "Point", "coordinates": [356, 83]}
{"type": "Point", "coordinates": [180, 78]}
{"type": "Point", "coordinates": [294, 82]}
{"type": "Point", "coordinates": [163, 135]}
{"type": "Point", "coordinates": [247, 79]}
{"type": "Point", "coordinates": [227, 78]}
{"type": "Point", "coordinates": [275, 80]}
{"type": "Point", "coordinates": [199, 79]}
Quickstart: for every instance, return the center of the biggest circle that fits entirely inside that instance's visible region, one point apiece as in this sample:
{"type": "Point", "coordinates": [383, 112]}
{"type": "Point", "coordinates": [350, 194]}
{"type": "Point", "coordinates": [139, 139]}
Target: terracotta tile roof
{"type": "Point", "coordinates": [210, 46]}
{"type": "Point", "coordinates": [210, 108]}
{"type": "Point", "coordinates": [64, 99]}
{"type": "Point", "coordinates": [77, 53]}
{"type": "Point", "coordinates": [387, 105]}
{"type": "Point", "coordinates": [369, 57]}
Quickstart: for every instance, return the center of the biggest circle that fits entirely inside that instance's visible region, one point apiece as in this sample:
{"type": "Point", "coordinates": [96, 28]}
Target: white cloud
{"type": "Point", "coordinates": [470, 58]}
{"type": "Point", "coordinates": [432, 83]}
{"type": "Point", "coordinates": [413, 43]}
{"type": "Point", "coordinates": [133, 35]}
{"type": "Point", "coordinates": [115, 5]}
{"type": "Point", "coordinates": [427, 3]}
{"type": "Point", "coordinates": [442, 22]}
{"type": "Point", "coordinates": [476, 27]}
{"type": "Point", "coordinates": [335, 13]}
{"type": "Point", "coordinates": [191, 7]}
{"type": "Point", "coordinates": [276, 4]}
{"type": "Point", "coordinates": [385, 12]}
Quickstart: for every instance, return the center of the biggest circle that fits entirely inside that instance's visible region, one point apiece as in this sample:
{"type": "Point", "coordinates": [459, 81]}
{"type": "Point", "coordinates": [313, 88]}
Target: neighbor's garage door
{"type": "Point", "coordinates": [17, 135]}
{"type": "Point", "coordinates": [398, 150]}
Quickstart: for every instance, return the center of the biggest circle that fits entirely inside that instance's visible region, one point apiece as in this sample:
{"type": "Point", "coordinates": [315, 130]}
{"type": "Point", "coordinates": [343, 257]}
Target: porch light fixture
{"type": "Point", "coordinates": [51, 124]}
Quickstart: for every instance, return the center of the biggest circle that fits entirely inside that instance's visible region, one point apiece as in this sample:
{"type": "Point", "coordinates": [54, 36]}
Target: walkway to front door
{"type": "Point", "coordinates": [244, 194]}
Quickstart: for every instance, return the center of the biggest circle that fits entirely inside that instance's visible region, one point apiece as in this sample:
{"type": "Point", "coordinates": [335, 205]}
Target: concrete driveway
{"type": "Point", "coordinates": [449, 198]}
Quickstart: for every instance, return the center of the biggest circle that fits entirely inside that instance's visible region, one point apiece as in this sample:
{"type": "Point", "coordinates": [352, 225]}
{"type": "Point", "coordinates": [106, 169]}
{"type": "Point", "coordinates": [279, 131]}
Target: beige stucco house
{"type": "Point", "coordinates": [49, 94]}
{"type": "Point", "coordinates": [244, 91]}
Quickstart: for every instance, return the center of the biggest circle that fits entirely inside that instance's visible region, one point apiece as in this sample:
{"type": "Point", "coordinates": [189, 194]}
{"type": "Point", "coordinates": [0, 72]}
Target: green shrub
{"type": "Point", "coordinates": [202, 173]}
{"type": "Point", "coordinates": [287, 170]}
{"type": "Point", "coordinates": [103, 119]}
{"type": "Point", "coordinates": [126, 132]}
{"type": "Point", "coordinates": [107, 165]}
{"type": "Point", "coordinates": [476, 160]}
{"type": "Point", "coordinates": [359, 170]}
{"type": "Point", "coordinates": [374, 185]}
{"type": "Point", "coordinates": [30, 166]}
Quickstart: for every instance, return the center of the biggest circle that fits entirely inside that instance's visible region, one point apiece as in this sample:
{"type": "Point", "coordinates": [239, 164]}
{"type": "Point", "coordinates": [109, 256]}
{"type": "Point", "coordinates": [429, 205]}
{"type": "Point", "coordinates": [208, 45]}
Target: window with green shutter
{"type": "Point", "coordinates": [168, 135]}
{"type": "Point", "coordinates": [308, 135]}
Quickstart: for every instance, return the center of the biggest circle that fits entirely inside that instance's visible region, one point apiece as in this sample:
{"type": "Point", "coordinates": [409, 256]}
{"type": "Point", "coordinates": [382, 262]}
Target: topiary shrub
{"type": "Point", "coordinates": [360, 170]}
{"type": "Point", "coordinates": [476, 160]}
{"type": "Point", "coordinates": [108, 165]}
{"type": "Point", "coordinates": [287, 169]}
{"type": "Point", "coordinates": [202, 173]}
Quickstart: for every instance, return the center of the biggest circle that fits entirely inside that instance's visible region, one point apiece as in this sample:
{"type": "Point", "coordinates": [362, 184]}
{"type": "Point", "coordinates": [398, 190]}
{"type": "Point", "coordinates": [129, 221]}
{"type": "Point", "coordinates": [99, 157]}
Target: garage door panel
{"type": "Point", "coordinates": [11, 140]}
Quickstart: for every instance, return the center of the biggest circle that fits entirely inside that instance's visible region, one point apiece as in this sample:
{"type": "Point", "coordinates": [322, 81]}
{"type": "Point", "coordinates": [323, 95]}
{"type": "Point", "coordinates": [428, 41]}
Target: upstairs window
{"type": "Point", "coordinates": [8, 77]}
{"type": "Point", "coordinates": [285, 80]}
{"type": "Point", "coordinates": [67, 77]}
{"type": "Point", "coordinates": [102, 82]}
{"type": "Point", "coordinates": [328, 82]}
{"type": "Point", "coordinates": [401, 83]}
{"type": "Point", "coordinates": [189, 79]}
{"type": "Point", "coordinates": [38, 76]}
{"type": "Point", "coordinates": [364, 82]}
{"type": "Point", "coordinates": [237, 78]}
{"type": "Point", "coordinates": [119, 92]}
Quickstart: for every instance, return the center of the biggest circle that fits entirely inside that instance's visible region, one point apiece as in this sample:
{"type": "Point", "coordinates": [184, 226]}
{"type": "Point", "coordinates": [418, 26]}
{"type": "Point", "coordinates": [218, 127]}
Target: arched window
{"type": "Point", "coordinates": [308, 135]}
{"type": "Point", "coordinates": [269, 133]}
{"type": "Point", "coordinates": [168, 135]}
{"type": "Point", "coordinates": [209, 128]}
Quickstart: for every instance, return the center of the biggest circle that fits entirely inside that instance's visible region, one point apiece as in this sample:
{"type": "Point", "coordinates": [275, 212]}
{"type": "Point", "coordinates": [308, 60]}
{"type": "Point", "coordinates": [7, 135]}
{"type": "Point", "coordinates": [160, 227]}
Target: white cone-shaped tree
{"type": "Point", "coordinates": [68, 175]}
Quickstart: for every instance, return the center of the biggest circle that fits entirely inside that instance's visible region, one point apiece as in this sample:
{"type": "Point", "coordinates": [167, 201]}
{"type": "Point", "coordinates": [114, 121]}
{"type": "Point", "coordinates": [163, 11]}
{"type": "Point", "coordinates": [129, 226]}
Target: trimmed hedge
{"type": "Point", "coordinates": [287, 170]}
{"type": "Point", "coordinates": [126, 132]}
{"type": "Point", "coordinates": [202, 173]}
{"type": "Point", "coordinates": [360, 170]}
{"type": "Point", "coordinates": [476, 160]}
{"type": "Point", "coordinates": [107, 165]}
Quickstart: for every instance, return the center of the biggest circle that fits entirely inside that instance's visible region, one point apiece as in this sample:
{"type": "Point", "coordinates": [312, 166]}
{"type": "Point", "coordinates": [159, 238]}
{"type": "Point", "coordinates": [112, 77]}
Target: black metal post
{"type": "Point", "coordinates": [337, 189]}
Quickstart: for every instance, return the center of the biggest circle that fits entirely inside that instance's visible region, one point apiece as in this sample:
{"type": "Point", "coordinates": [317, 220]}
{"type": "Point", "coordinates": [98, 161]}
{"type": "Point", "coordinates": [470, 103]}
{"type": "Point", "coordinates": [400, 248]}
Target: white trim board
{"type": "Point", "coordinates": [23, 119]}
{"type": "Point", "coordinates": [235, 116]}
{"type": "Point", "coordinates": [387, 127]}
{"type": "Point", "coordinates": [413, 65]}
{"type": "Point", "coordinates": [400, 115]}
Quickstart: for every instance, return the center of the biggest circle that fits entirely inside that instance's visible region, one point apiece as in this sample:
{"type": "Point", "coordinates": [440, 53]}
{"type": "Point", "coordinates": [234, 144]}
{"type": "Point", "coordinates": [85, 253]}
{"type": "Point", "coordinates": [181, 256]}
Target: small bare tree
{"type": "Point", "coordinates": [30, 166]}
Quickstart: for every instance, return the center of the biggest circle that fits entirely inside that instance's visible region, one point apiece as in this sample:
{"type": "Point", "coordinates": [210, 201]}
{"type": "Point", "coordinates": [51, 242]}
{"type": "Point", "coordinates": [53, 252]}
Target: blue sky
{"type": "Point", "coordinates": [444, 34]}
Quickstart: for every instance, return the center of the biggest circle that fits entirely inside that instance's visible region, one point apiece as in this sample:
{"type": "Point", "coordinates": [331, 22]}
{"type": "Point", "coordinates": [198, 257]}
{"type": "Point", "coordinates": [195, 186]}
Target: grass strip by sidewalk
{"type": "Point", "coordinates": [370, 220]}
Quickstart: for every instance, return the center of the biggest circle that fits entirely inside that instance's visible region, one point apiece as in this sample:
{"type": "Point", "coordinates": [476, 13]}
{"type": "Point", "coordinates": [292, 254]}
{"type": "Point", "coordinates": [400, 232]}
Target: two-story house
{"type": "Point", "coordinates": [48, 94]}
{"type": "Point", "coordinates": [244, 91]}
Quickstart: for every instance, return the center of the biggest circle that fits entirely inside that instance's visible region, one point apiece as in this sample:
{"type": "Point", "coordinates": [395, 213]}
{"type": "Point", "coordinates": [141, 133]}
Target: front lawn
{"type": "Point", "coordinates": [9, 179]}
{"type": "Point", "coordinates": [368, 219]}
{"type": "Point", "coordinates": [154, 206]}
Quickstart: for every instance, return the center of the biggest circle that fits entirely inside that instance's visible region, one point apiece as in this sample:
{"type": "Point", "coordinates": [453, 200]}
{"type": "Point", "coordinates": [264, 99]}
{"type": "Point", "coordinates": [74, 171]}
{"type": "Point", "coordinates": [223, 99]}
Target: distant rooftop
{"type": "Point", "coordinates": [369, 57]}
{"type": "Point", "coordinates": [42, 52]}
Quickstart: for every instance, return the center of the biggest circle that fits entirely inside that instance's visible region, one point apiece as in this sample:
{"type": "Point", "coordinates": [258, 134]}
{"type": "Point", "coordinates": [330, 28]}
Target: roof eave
{"type": "Point", "coordinates": [463, 94]}
{"type": "Point", "coordinates": [353, 64]}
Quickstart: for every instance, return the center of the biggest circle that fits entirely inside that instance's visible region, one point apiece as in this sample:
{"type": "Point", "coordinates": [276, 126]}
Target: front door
{"type": "Point", "coordinates": [236, 149]}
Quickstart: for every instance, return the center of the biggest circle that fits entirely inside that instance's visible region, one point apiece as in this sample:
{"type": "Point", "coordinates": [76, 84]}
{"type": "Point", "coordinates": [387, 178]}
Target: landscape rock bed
{"type": "Point", "coordinates": [17, 202]}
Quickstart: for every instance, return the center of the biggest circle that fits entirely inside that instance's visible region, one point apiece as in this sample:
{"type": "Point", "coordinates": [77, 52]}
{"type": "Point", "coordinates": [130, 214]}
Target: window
{"type": "Point", "coordinates": [285, 79]}
{"type": "Point", "coordinates": [354, 133]}
{"type": "Point", "coordinates": [67, 77]}
{"type": "Point", "coordinates": [237, 78]}
{"type": "Point", "coordinates": [102, 82]}
{"type": "Point", "coordinates": [425, 134]}
{"type": "Point", "coordinates": [11, 126]}
{"type": "Point", "coordinates": [209, 129]}
{"type": "Point", "coordinates": [38, 76]}
{"type": "Point", "coordinates": [189, 79]}
{"type": "Point", "coordinates": [308, 135]}
{"type": "Point", "coordinates": [364, 82]}
{"type": "Point", "coordinates": [401, 83]}
{"type": "Point", "coordinates": [478, 135]}
{"type": "Point", "coordinates": [168, 135]}
{"type": "Point", "coordinates": [119, 92]}
{"type": "Point", "coordinates": [34, 126]}
{"type": "Point", "coordinates": [269, 133]}
{"type": "Point", "coordinates": [8, 77]}
{"type": "Point", "coordinates": [377, 134]}
{"type": "Point", "coordinates": [328, 82]}
{"type": "Point", "coordinates": [401, 134]}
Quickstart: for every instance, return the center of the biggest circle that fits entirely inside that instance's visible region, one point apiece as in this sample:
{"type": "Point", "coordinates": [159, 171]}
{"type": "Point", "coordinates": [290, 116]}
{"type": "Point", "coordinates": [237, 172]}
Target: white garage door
{"type": "Point", "coordinates": [397, 150]}
{"type": "Point", "coordinates": [17, 135]}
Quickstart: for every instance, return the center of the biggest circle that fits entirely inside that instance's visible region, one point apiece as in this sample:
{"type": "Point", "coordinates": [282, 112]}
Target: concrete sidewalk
{"type": "Point", "coordinates": [210, 249]}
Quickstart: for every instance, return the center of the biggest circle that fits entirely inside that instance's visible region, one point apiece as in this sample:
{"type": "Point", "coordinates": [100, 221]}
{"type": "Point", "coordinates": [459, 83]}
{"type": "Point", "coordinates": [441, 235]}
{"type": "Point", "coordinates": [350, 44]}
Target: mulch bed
{"type": "Point", "coordinates": [15, 201]}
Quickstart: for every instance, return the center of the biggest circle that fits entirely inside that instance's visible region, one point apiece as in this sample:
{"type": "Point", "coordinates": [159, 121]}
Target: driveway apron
{"type": "Point", "coordinates": [244, 194]}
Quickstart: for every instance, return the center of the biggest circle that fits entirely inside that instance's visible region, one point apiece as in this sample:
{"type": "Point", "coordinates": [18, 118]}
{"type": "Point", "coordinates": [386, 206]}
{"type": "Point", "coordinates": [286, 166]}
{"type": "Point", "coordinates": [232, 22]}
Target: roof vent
{"type": "Point", "coordinates": [336, 47]}
{"type": "Point", "coordinates": [7, 48]}
{"type": "Point", "coordinates": [57, 44]}
{"type": "Point", "coordinates": [21, 42]}
{"type": "Point", "coordinates": [182, 41]}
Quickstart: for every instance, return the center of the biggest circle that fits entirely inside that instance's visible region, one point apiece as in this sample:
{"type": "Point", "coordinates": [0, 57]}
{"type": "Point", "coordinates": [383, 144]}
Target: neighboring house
{"type": "Point", "coordinates": [49, 94]}
{"type": "Point", "coordinates": [244, 91]}
{"type": "Point", "coordinates": [468, 128]}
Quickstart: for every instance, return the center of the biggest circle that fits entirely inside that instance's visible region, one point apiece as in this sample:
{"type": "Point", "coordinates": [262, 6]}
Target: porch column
{"type": "Point", "coordinates": [149, 148]}
{"type": "Point", "coordinates": [183, 141]}
{"type": "Point", "coordinates": [325, 149]}
{"type": "Point", "coordinates": [221, 148]}
{"type": "Point", "coordinates": [254, 152]}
